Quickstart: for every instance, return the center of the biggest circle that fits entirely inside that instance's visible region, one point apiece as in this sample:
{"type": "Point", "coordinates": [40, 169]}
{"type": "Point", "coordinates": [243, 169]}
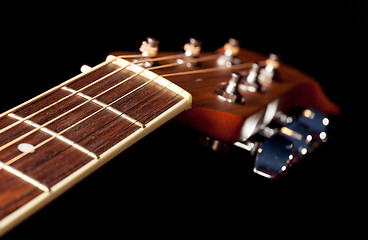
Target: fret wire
{"type": "Point", "coordinates": [65, 113]}
{"type": "Point", "coordinates": [56, 135]}
{"type": "Point", "coordinates": [93, 83]}
{"type": "Point", "coordinates": [105, 105]}
{"type": "Point", "coordinates": [25, 177]}
{"type": "Point", "coordinates": [141, 117]}
{"type": "Point", "coordinates": [62, 99]}
{"type": "Point", "coordinates": [52, 90]}
{"type": "Point", "coordinates": [30, 179]}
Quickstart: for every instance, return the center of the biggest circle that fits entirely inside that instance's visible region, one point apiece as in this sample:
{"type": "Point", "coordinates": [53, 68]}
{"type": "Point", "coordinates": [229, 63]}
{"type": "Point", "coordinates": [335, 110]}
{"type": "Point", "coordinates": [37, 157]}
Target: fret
{"type": "Point", "coordinates": [119, 113]}
{"type": "Point", "coordinates": [24, 177]}
{"type": "Point", "coordinates": [76, 128]}
{"type": "Point", "coordinates": [55, 135]}
{"type": "Point", "coordinates": [14, 193]}
{"type": "Point", "coordinates": [48, 164]}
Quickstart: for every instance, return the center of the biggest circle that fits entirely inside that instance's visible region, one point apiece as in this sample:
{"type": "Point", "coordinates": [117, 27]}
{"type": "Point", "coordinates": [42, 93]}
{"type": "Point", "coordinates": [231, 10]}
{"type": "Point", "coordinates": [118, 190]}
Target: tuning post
{"type": "Point", "coordinates": [230, 93]}
{"type": "Point", "coordinates": [149, 49]}
{"type": "Point", "coordinates": [192, 51]}
{"type": "Point", "coordinates": [282, 118]}
{"type": "Point", "coordinates": [270, 72]}
{"type": "Point", "coordinates": [230, 56]}
{"type": "Point", "coordinates": [251, 82]}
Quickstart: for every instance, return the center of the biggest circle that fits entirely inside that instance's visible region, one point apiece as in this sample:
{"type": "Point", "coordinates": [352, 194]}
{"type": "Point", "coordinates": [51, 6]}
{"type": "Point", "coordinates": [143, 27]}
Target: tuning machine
{"type": "Point", "coordinates": [288, 144]}
{"type": "Point", "coordinates": [274, 157]}
{"type": "Point", "coordinates": [231, 93]}
{"type": "Point", "coordinates": [239, 84]}
{"type": "Point", "coordinates": [311, 119]}
{"type": "Point", "coordinates": [250, 82]}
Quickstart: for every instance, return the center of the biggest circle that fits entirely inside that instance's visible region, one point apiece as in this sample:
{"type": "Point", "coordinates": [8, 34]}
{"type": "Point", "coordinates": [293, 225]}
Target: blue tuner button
{"type": "Point", "coordinates": [316, 121]}
{"type": "Point", "coordinates": [299, 135]}
{"type": "Point", "coordinates": [274, 156]}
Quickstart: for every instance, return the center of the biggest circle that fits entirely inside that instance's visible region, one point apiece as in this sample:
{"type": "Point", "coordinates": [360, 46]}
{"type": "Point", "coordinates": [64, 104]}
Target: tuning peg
{"type": "Point", "coordinates": [274, 156]}
{"type": "Point", "coordinates": [149, 49]}
{"type": "Point", "coordinates": [250, 82]}
{"type": "Point", "coordinates": [192, 50]}
{"type": "Point", "coordinates": [317, 123]}
{"type": "Point", "coordinates": [193, 47]}
{"type": "Point", "coordinates": [231, 51]}
{"type": "Point", "coordinates": [291, 129]}
{"type": "Point", "coordinates": [270, 72]}
{"type": "Point", "coordinates": [231, 93]}
{"type": "Point", "coordinates": [294, 138]}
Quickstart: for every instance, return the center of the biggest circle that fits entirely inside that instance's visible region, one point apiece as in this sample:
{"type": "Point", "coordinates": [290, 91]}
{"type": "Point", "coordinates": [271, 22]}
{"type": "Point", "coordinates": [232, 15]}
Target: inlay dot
{"type": "Point", "coordinates": [26, 148]}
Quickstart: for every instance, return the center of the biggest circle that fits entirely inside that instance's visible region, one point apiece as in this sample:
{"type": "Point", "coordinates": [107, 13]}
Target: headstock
{"type": "Point", "coordinates": [237, 93]}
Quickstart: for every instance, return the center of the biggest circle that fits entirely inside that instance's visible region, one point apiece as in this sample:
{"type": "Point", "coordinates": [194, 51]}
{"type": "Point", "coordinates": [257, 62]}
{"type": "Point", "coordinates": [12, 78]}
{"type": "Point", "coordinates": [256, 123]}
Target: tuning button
{"type": "Point", "coordinates": [230, 93]}
{"type": "Point", "coordinates": [230, 56]}
{"type": "Point", "coordinates": [287, 144]}
{"type": "Point", "coordinates": [299, 135]}
{"type": "Point", "coordinates": [317, 123]}
{"type": "Point", "coordinates": [274, 157]}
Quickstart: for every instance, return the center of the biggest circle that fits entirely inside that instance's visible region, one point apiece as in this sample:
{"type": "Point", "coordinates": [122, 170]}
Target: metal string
{"type": "Point", "coordinates": [100, 94]}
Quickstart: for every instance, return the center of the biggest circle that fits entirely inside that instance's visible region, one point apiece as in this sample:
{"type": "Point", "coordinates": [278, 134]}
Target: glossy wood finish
{"type": "Point", "coordinates": [222, 120]}
{"type": "Point", "coordinates": [97, 130]}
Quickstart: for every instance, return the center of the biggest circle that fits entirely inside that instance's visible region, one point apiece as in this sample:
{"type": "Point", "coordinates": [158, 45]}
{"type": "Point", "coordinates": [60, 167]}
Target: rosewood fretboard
{"type": "Point", "coordinates": [52, 141]}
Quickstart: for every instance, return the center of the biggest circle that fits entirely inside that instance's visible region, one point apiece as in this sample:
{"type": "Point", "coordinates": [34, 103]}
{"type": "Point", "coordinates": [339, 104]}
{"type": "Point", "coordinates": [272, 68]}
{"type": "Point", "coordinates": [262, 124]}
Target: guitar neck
{"type": "Point", "coordinates": [51, 142]}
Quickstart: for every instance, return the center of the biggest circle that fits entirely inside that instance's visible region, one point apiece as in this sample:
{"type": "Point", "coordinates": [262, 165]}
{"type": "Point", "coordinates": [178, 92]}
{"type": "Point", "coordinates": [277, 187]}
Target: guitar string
{"type": "Point", "coordinates": [134, 75]}
{"type": "Point", "coordinates": [77, 123]}
{"type": "Point", "coordinates": [9, 162]}
{"type": "Point", "coordinates": [214, 69]}
{"type": "Point", "coordinates": [116, 100]}
{"type": "Point", "coordinates": [80, 90]}
{"type": "Point", "coordinates": [12, 110]}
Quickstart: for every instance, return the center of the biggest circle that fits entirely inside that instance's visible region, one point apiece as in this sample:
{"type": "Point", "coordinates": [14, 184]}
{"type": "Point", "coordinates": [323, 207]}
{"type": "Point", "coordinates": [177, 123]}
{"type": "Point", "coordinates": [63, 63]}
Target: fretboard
{"type": "Point", "coordinates": [54, 140]}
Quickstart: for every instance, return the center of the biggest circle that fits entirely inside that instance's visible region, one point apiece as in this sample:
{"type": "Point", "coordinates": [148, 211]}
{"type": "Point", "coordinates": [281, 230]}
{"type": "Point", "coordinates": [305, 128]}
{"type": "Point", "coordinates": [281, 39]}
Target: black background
{"type": "Point", "coordinates": [167, 185]}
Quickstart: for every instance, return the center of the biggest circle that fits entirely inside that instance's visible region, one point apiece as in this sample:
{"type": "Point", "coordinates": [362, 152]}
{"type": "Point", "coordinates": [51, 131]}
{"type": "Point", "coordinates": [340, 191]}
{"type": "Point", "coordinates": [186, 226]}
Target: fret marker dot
{"type": "Point", "coordinates": [26, 148]}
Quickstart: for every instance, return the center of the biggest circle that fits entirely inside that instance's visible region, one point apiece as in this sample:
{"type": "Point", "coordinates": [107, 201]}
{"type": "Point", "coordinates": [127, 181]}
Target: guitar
{"type": "Point", "coordinates": [231, 97]}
